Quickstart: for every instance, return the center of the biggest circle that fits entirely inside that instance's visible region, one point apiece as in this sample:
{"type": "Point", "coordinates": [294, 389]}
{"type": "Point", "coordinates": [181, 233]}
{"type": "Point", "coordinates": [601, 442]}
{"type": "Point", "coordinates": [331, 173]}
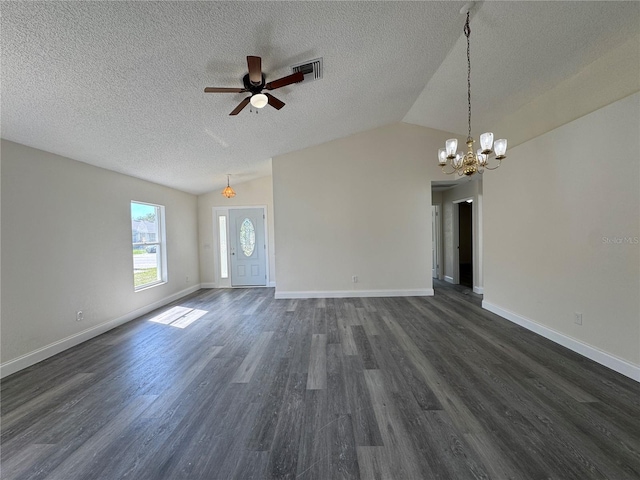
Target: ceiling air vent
{"type": "Point", "coordinates": [312, 69]}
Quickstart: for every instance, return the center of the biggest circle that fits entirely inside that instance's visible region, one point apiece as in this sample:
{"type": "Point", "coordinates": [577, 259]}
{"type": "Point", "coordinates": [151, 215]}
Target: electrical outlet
{"type": "Point", "coordinates": [79, 316]}
{"type": "Point", "coordinates": [577, 318]}
{"type": "Point", "coordinates": [354, 279]}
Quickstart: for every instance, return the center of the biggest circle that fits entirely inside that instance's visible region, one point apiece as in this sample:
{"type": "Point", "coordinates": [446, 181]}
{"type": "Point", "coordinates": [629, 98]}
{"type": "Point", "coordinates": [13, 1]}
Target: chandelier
{"type": "Point", "coordinates": [470, 162]}
{"type": "Point", "coordinates": [228, 191]}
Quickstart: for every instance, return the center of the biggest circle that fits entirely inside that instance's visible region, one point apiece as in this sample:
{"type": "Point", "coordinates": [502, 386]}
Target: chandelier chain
{"type": "Point", "coordinates": [469, 163]}
{"type": "Point", "coordinates": [467, 32]}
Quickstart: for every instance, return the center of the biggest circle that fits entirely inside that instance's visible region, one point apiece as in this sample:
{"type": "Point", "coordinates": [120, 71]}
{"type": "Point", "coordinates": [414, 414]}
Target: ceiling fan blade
{"type": "Point", "coordinates": [255, 69]}
{"type": "Point", "coordinates": [239, 108]}
{"type": "Point", "coordinates": [274, 102]}
{"type": "Point", "coordinates": [284, 81]}
{"type": "Point", "coordinates": [223, 90]}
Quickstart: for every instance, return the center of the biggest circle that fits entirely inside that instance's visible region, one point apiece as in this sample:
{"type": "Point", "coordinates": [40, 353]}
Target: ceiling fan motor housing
{"type": "Point", "coordinates": [253, 88]}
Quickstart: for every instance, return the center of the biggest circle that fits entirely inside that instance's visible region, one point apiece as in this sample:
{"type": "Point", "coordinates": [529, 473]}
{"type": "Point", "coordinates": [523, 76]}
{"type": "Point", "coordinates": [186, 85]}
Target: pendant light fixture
{"type": "Point", "coordinates": [470, 163]}
{"type": "Point", "coordinates": [228, 191]}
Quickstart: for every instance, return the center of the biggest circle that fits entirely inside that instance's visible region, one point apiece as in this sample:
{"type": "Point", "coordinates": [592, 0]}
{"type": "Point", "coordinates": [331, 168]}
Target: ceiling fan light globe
{"type": "Point", "coordinates": [259, 100]}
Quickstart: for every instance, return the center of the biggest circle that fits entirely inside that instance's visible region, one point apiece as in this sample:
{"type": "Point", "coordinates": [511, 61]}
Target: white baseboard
{"type": "Point", "coordinates": [214, 285]}
{"type": "Point", "coordinates": [479, 290]}
{"type": "Point", "coordinates": [448, 279]}
{"type": "Point", "coordinates": [619, 365]}
{"type": "Point", "coordinates": [31, 358]}
{"type": "Point", "coordinates": [424, 292]}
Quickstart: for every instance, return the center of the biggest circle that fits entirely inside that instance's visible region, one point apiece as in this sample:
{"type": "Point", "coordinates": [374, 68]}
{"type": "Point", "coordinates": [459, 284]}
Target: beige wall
{"type": "Point", "coordinates": [357, 206]}
{"type": "Point", "coordinates": [612, 77]}
{"type": "Point", "coordinates": [256, 192]}
{"type": "Point", "coordinates": [552, 214]}
{"type": "Point", "coordinates": [66, 246]}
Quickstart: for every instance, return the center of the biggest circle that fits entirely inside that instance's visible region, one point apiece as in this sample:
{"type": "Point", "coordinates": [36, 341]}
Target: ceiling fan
{"type": "Point", "coordinates": [254, 82]}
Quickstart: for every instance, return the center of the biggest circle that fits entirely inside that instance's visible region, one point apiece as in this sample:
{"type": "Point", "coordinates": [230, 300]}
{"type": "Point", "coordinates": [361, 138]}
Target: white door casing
{"type": "Point", "coordinates": [435, 232]}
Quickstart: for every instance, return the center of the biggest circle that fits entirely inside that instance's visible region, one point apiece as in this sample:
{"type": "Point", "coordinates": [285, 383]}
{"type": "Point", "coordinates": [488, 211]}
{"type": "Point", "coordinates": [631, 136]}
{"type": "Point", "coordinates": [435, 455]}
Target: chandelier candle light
{"type": "Point", "coordinates": [228, 191]}
{"type": "Point", "coordinates": [470, 162]}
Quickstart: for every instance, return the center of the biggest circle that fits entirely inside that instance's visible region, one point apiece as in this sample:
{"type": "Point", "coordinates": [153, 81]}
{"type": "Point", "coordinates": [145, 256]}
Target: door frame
{"type": "Point", "coordinates": [439, 267]}
{"type": "Point", "coordinates": [218, 211]}
{"type": "Point", "coordinates": [456, 235]}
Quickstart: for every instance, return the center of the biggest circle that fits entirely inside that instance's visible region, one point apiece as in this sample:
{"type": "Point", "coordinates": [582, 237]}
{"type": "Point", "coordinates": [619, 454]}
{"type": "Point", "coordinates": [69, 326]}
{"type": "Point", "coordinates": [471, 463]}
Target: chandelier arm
{"type": "Point", "coordinates": [493, 168]}
{"type": "Point", "coordinates": [448, 173]}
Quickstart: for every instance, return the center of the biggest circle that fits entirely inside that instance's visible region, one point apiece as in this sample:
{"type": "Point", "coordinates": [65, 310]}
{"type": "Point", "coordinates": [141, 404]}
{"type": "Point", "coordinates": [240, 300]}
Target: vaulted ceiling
{"type": "Point", "coordinates": [120, 84]}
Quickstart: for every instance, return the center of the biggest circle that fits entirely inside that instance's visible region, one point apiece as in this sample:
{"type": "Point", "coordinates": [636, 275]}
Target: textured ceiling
{"type": "Point", "coordinates": [518, 51]}
{"type": "Point", "coordinates": [120, 84]}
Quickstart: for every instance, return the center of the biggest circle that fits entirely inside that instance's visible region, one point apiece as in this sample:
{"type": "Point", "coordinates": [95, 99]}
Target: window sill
{"type": "Point", "coordinates": [148, 286]}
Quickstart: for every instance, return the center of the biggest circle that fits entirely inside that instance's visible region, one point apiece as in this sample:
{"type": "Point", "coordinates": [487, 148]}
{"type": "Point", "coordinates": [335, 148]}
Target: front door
{"type": "Point", "coordinates": [248, 259]}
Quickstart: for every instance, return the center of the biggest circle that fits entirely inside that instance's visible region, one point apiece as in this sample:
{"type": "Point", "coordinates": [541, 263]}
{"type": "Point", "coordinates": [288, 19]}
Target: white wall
{"type": "Point", "coordinates": [66, 246]}
{"type": "Point", "coordinates": [548, 212]}
{"type": "Point", "coordinates": [253, 193]}
{"type": "Point", "coordinates": [357, 206]}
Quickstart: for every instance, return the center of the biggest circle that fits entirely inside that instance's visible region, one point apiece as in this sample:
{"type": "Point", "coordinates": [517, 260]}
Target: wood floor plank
{"type": "Point", "coordinates": [317, 379]}
{"type": "Point", "coordinates": [365, 425]}
{"type": "Point", "coordinates": [497, 465]}
{"type": "Point", "coordinates": [233, 383]}
{"type": "Point", "coordinates": [283, 460]}
{"type": "Point", "coordinates": [346, 336]}
{"type": "Point", "coordinates": [314, 454]}
{"type": "Point", "coordinates": [320, 319]}
{"type": "Point", "coordinates": [29, 456]}
{"type": "Point", "coordinates": [449, 400]}
{"type": "Point", "coordinates": [374, 463]}
{"type": "Point", "coordinates": [253, 466]}
{"type": "Point", "coordinates": [75, 466]}
{"type": "Point", "coordinates": [300, 336]}
{"type": "Point", "coordinates": [368, 318]}
{"type": "Point", "coordinates": [264, 427]}
{"type": "Point", "coordinates": [333, 334]}
{"type": "Point", "coordinates": [364, 347]}
{"type": "Point", "coordinates": [175, 391]}
{"type": "Point", "coordinates": [342, 451]}
{"type": "Point", "coordinates": [456, 459]}
{"type": "Point", "coordinates": [403, 455]}
{"type": "Point", "coordinates": [253, 358]}
{"type": "Point", "coordinates": [337, 401]}
{"type": "Point", "coordinates": [45, 400]}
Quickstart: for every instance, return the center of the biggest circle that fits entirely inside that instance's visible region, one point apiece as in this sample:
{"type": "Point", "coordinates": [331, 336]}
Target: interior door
{"type": "Point", "coordinates": [247, 247]}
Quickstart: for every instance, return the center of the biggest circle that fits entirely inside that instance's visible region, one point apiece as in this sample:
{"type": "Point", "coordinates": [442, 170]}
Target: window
{"type": "Point", "coordinates": [247, 237]}
{"type": "Point", "coordinates": [148, 240]}
{"type": "Point", "coordinates": [222, 232]}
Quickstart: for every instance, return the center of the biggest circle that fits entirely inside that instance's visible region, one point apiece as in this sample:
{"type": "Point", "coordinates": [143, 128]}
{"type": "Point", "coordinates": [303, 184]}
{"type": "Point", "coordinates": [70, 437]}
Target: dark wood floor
{"type": "Point", "coordinates": [252, 387]}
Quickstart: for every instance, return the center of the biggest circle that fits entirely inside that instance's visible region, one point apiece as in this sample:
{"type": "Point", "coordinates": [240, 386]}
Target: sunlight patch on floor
{"type": "Point", "coordinates": [179, 317]}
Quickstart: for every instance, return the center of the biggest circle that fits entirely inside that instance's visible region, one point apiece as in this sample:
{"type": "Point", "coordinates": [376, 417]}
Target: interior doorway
{"type": "Point", "coordinates": [465, 243]}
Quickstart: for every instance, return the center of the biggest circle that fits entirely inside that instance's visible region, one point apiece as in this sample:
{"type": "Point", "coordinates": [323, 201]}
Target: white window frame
{"type": "Point", "coordinates": [160, 244]}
